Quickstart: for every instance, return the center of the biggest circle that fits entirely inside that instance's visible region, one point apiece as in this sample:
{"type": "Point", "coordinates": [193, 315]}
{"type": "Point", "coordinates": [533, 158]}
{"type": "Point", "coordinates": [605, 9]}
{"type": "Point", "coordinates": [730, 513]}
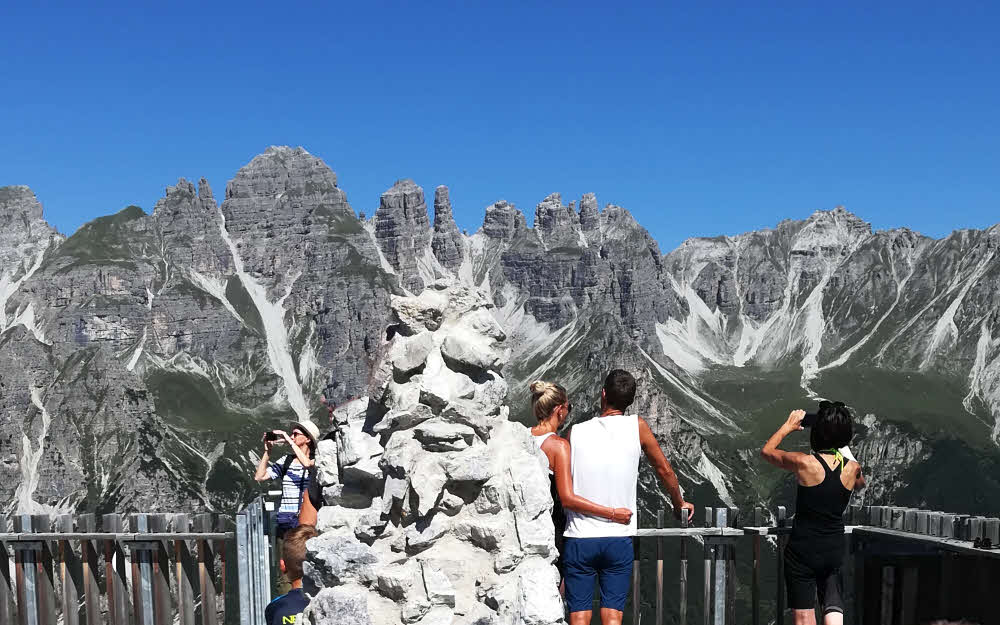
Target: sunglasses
{"type": "Point", "coordinates": [297, 433]}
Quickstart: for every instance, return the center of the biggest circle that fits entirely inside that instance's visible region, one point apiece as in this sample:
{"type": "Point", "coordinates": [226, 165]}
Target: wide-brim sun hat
{"type": "Point", "coordinates": [308, 428]}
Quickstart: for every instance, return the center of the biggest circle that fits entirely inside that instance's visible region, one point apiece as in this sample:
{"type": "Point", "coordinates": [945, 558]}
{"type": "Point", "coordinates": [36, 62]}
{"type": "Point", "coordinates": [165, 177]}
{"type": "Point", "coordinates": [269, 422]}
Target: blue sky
{"type": "Point", "coordinates": [702, 120]}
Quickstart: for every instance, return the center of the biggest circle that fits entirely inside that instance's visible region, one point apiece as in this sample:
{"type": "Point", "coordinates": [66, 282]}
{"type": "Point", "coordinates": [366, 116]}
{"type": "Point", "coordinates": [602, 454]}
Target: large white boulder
{"type": "Point", "coordinates": [448, 519]}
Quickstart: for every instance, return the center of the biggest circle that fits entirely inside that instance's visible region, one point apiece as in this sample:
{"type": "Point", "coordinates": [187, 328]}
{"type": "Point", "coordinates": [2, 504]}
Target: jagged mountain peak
{"type": "Point", "coordinates": [503, 221]}
{"type": "Point", "coordinates": [286, 151]}
{"type": "Point", "coordinates": [205, 190]}
{"type": "Point", "coordinates": [557, 225]}
{"type": "Point", "coordinates": [19, 200]}
{"type": "Point", "coordinates": [23, 229]}
{"type": "Point", "coordinates": [447, 243]}
{"type": "Point", "coordinates": [281, 170]}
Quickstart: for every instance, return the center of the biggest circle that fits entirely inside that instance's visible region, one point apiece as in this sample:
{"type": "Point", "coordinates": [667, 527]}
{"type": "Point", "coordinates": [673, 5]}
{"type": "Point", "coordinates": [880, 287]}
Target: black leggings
{"type": "Point", "coordinates": [811, 571]}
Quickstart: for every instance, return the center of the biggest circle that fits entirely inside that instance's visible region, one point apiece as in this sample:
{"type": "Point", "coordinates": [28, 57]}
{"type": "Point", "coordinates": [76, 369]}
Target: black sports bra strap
{"type": "Point", "coordinates": [826, 467]}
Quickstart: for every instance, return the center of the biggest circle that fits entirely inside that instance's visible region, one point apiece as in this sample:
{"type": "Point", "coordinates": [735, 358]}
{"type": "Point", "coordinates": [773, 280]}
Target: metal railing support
{"type": "Point", "coordinates": [683, 599]}
{"type": "Point", "coordinates": [707, 590]}
{"type": "Point", "coordinates": [781, 521]}
{"type": "Point", "coordinates": [8, 608]}
{"type": "Point", "coordinates": [659, 569]}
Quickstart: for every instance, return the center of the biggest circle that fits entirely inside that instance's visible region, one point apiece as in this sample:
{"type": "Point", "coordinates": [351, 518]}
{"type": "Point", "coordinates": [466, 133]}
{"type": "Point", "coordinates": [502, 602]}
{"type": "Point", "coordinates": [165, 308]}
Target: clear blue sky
{"type": "Point", "coordinates": [702, 120]}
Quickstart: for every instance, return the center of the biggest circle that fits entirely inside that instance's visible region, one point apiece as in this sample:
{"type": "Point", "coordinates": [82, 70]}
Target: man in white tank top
{"type": "Point", "coordinates": [605, 462]}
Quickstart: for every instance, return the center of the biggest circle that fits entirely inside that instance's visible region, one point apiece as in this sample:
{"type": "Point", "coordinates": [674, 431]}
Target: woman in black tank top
{"type": "Point", "coordinates": [826, 481]}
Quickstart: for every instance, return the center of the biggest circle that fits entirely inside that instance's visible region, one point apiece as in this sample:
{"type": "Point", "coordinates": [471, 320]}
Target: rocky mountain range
{"type": "Point", "coordinates": [142, 357]}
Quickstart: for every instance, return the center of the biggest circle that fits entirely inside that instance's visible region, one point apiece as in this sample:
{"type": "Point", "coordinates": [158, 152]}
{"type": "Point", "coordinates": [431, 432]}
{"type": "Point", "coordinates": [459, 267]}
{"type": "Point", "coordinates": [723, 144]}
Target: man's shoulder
{"type": "Point", "coordinates": [285, 609]}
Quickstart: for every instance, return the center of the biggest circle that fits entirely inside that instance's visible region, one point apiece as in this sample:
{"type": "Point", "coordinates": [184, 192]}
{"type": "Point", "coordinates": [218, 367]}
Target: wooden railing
{"type": "Point", "coordinates": [66, 570]}
{"type": "Point", "coordinates": [173, 568]}
{"type": "Point", "coordinates": [897, 531]}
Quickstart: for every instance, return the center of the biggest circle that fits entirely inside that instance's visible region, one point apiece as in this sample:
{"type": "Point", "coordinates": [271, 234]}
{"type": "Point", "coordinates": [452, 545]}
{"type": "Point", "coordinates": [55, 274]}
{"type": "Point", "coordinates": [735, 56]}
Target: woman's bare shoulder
{"type": "Point", "coordinates": [556, 442]}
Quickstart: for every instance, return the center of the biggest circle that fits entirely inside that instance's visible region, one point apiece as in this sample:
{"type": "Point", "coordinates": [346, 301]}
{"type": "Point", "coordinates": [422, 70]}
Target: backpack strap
{"type": "Point", "coordinates": [314, 490]}
{"type": "Point", "coordinates": [287, 463]}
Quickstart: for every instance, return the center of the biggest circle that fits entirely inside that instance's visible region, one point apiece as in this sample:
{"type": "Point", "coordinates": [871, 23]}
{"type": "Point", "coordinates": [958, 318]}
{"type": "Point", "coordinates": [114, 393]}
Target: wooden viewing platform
{"type": "Point", "coordinates": [903, 566]}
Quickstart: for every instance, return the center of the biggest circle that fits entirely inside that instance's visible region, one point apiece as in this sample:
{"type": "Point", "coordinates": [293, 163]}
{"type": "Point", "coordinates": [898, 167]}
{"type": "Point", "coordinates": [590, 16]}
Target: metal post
{"type": "Point", "coordinates": [719, 566]}
{"type": "Point", "coordinates": [659, 569]}
{"type": "Point", "coordinates": [636, 607]}
{"type": "Point", "coordinates": [142, 573]}
{"type": "Point", "coordinates": [859, 578]}
{"type": "Point", "coordinates": [243, 564]}
{"type": "Point", "coordinates": [228, 576]}
{"type": "Point", "coordinates": [779, 617]}
{"type": "Point", "coordinates": [26, 570]}
{"type": "Point", "coordinates": [758, 521]}
{"type": "Point", "coordinates": [7, 607]}
{"type": "Point", "coordinates": [707, 590]}
{"type": "Point", "coordinates": [263, 559]}
{"type": "Point", "coordinates": [87, 523]}
{"type": "Point", "coordinates": [755, 582]}
{"type": "Point", "coordinates": [683, 599]}
{"type": "Point", "coordinates": [734, 521]}
{"type": "Point", "coordinates": [888, 594]}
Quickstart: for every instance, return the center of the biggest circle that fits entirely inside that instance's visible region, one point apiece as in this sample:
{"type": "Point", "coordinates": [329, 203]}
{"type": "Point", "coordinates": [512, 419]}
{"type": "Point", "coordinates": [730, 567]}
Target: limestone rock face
{"type": "Point", "coordinates": [162, 345]}
{"type": "Point", "coordinates": [403, 231]}
{"type": "Point", "coordinates": [463, 503]}
{"type": "Point", "coordinates": [167, 342]}
{"type": "Point", "coordinates": [447, 243]}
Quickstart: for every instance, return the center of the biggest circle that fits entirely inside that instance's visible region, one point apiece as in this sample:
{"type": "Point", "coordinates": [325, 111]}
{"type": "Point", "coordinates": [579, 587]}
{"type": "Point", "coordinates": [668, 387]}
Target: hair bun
{"type": "Point", "coordinates": [538, 387]}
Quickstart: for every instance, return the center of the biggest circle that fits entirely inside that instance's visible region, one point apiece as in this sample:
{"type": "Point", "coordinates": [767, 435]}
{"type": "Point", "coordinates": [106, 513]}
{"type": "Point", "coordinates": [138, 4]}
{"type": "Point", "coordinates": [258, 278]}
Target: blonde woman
{"type": "Point", "coordinates": [551, 407]}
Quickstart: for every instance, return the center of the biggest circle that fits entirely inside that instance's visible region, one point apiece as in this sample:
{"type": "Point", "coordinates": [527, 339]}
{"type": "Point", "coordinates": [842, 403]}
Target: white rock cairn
{"type": "Point", "coordinates": [438, 508]}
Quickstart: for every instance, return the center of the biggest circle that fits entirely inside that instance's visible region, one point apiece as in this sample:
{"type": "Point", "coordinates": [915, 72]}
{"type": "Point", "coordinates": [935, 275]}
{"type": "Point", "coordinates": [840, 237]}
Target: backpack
{"type": "Point", "coordinates": [313, 488]}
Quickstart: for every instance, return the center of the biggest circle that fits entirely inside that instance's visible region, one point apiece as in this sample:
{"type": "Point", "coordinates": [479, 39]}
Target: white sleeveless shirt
{"type": "Point", "coordinates": [541, 439]}
{"type": "Point", "coordinates": [605, 461]}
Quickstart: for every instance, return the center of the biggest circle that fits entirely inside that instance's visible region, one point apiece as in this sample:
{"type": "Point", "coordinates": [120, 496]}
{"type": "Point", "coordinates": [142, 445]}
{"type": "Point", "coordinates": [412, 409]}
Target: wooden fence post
{"type": "Point", "coordinates": [115, 572]}
{"type": "Point", "coordinates": [69, 572]}
{"type": "Point", "coordinates": [163, 613]}
{"type": "Point", "coordinates": [46, 574]}
{"type": "Point", "coordinates": [87, 524]}
{"type": "Point", "coordinates": [185, 571]}
{"type": "Point", "coordinates": [707, 591]}
{"type": "Point", "coordinates": [207, 579]}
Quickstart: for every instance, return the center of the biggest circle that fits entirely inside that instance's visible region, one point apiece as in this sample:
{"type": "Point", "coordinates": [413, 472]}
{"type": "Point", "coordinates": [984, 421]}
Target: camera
{"type": "Point", "coordinates": [271, 436]}
{"type": "Point", "coordinates": [810, 419]}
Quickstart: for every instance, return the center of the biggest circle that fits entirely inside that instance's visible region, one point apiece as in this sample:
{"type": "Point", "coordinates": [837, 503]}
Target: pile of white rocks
{"type": "Point", "coordinates": [438, 506]}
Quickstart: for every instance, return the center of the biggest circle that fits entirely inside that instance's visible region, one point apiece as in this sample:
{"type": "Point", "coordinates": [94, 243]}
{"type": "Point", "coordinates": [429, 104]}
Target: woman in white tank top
{"type": "Point", "coordinates": [551, 407]}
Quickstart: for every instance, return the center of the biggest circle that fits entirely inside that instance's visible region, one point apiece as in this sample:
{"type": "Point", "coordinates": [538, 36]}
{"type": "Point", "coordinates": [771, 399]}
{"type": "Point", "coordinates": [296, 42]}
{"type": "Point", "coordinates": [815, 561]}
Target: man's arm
{"type": "Point", "coordinates": [663, 469]}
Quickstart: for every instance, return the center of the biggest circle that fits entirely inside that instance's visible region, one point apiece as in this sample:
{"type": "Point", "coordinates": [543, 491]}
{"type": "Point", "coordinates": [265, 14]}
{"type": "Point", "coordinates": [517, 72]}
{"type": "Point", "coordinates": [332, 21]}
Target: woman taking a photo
{"type": "Point", "coordinates": [826, 480]}
{"type": "Point", "coordinates": [551, 407]}
{"type": "Point", "coordinates": [294, 469]}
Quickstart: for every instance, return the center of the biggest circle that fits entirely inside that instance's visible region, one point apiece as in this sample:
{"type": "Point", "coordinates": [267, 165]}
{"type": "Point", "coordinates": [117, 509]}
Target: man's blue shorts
{"type": "Point", "coordinates": [607, 560]}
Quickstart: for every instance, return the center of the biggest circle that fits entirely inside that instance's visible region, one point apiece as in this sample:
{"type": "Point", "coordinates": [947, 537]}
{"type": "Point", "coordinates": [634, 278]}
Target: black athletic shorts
{"type": "Point", "coordinates": [812, 574]}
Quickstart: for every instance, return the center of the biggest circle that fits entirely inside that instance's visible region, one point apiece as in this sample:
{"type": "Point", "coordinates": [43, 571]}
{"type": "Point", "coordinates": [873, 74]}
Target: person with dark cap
{"type": "Point", "coordinates": [826, 480]}
{"type": "Point", "coordinates": [294, 470]}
